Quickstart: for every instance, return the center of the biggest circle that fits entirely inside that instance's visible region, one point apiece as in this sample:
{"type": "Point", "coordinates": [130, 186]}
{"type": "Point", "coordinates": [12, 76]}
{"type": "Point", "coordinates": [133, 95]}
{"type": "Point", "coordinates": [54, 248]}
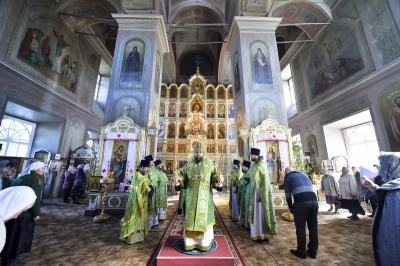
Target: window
{"type": "Point", "coordinates": [16, 135]}
{"type": "Point", "coordinates": [362, 147]}
{"type": "Point", "coordinates": [289, 91]}
{"type": "Point", "coordinates": [96, 92]}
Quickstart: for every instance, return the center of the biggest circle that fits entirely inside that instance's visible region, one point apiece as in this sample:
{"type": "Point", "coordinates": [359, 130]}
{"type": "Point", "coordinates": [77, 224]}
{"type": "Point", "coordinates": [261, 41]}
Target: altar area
{"type": "Point", "coordinates": [122, 145]}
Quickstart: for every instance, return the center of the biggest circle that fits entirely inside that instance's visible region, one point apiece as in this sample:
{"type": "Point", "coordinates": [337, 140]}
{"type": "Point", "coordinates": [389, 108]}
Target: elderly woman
{"type": "Point", "coordinates": [80, 184]}
{"type": "Point", "coordinates": [20, 231]}
{"type": "Point", "coordinates": [386, 223]}
{"type": "Point", "coordinates": [349, 193]}
{"type": "Point", "coordinates": [68, 184]}
{"type": "Point", "coordinates": [14, 201]}
{"type": "Point", "coordinates": [330, 188]}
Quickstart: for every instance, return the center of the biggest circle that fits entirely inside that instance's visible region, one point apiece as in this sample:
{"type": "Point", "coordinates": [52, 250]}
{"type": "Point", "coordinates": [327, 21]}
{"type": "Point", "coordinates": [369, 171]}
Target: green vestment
{"type": "Point", "coordinates": [162, 190]}
{"type": "Point", "coordinates": [153, 177]}
{"type": "Point", "coordinates": [135, 225]}
{"type": "Point", "coordinates": [243, 187]}
{"type": "Point", "coordinates": [259, 177]}
{"type": "Point", "coordinates": [237, 174]}
{"type": "Point", "coordinates": [198, 179]}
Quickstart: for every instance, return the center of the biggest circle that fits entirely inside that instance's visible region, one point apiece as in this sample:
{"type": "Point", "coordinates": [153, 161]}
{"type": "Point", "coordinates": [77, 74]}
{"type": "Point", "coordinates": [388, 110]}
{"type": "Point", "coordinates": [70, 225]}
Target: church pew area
{"type": "Point", "coordinates": [64, 236]}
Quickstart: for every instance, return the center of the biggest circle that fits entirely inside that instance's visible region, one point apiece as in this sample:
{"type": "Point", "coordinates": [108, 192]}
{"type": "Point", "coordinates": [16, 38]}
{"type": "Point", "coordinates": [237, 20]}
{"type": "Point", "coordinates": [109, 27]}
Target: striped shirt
{"type": "Point", "coordinates": [298, 185]}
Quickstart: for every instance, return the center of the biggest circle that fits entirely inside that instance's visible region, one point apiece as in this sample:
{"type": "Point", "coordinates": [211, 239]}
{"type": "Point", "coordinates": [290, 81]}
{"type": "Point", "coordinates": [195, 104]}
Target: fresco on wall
{"type": "Point", "coordinates": [157, 76]}
{"type": "Point", "coordinates": [182, 131]}
{"type": "Point", "coordinates": [210, 93]}
{"type": "Point", "coordinates": [221, 93]}
{"type": "Point", "coordinates": [231, 111]}
{"type": "Point", "coordinates": [221, 111]}
{"type": "Point", "coordinates": [171, 131]}
{"type": "Point", "coordinates": [390, 110]}
{"type": "Point", "coordinates": [210, 111]}
{"type": "Point", "coordinates": [132, 64]}
{"type": "Point", "coordinates": [183, 110]}
{"type": "Point", "coordinates": [184, 92]}
{"type": "Point", "coordinates": [236, 68]}
{"type": "Point", "coordinates": [196, 86]}
{"type": "Point", "coordinates": [49, 47]}
{"type": "Point", "coordinates": [173, 92]}
{"type": "Point", "coordinates": [161, 130]}
{"type": "Point", "coordinates": [260, 63]}
{"type": "Point", "coordinates": [221, 131]}
{"type": "Point", "coordinates": [210, 131]}
{"type": "Point", "coordinates": [333, 58]}
{"type": "Point", "coordinates": [171, 110]}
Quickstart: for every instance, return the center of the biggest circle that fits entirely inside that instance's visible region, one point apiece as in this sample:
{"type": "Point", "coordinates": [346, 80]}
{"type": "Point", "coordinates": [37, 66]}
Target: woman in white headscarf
{"type": "Point", "coordinates": [79, 185]}
{"type": "Point", "coordinates": [20, 231]}
{"type": "Point", "coordinates": [14, 201]}
{"type": "Point", "coordinates": [68, 184]}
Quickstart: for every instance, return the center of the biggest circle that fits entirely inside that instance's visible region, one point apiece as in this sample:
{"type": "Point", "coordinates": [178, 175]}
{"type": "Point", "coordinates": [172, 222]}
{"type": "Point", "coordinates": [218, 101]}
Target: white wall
{"type": "Point", "coordinates": [335, 144]}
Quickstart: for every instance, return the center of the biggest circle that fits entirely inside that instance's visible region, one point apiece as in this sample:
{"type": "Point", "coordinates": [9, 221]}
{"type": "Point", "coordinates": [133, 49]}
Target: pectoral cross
{"type": "Point", "coordinates": [268, 107]}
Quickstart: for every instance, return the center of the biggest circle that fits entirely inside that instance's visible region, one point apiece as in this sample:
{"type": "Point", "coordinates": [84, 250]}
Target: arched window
{"type": "Point", "coordinates": [16, 135]}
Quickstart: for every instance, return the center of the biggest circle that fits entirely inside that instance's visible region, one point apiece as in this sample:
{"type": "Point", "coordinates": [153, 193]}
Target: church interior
{"type": "Point", "coordinates": [313, 84]}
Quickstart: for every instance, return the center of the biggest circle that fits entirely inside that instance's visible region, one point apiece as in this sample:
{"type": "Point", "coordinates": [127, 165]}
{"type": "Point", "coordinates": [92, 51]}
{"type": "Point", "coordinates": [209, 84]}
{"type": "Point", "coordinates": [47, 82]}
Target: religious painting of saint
{"type": "Point", "coordinates": [312, 145]}
{"type": "Point", "coordinates": [334, 58]}
{"type": "Point", "coordinates": [232, 148]}
{"type": "Point", "coordinates": [210, 149]}
{"type": "Point", "coordinates": [170, 167]}
{"type": "Point", "coordinates": [210, 93]}
{"type": "Point", "coordinates": [171, 131]}
{"type": "Point", "coordinates": [157, 73]}
{"type": "Point", "coordinates": [183, 110]}
{"type": "Point", "coordinates": [232, 132]}
{"type": "Point", "coordinates": [182, 131]}
{"type": "Point", "coordinates": [221, 93]}
{"type": "Point", "coordinates": [160, 147]}
{"type": "Point", "coordinates": [161, 130]}
{"type": "Point", "coordinates": [162, 110]}
{"type": "Point", "coordinates": [132, 68]}
{"type": "Point", "coordinates": [118, 160]}
{"type": "Point", "coordinates": [221, 131]}
{"type": "Point", "coordinates": [221, 148]}
{"type": "Point", "coordinates": [181, 148]}
{"type": "Point", "coordinates": [230, 93]}
{"type": "Point", "coordinates": [221, 111]}
{"type": "Point", "coordinates": [163, 91]}
{"type": "Point", "coordinates": [196, 107]}
{"type": "Point", "coordinates": [236, 73]}
{"type": "Point", "coordinates": [271, 160]}
{"type": "Point", "coordinates": [261, 68]}
{"type": "Point", "coordinates": [210, 131]}
{"type": "Point", "coordinates": [48, 47]}
{"type": "Point", "coordinates": [170, 148]}
{"type": "Point", "coordinates": [184, 92]}
{"type": "Point", "coordinates": [210, 111]}
{"type": "Point", "coordinates": [171, 110]}
{"type": "Point", "coordinates": [172, 92]}
{"type": "Point", "coordinates": [197, 87]}
{"type": "Point", "coordinates": [231, 111]}
{"type": "Point", "coordinates": [389, 104]}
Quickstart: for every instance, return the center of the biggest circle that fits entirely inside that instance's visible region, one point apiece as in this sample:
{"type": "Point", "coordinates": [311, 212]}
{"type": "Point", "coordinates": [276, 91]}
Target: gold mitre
{"type": "Point", "coordinates": [198, 146]}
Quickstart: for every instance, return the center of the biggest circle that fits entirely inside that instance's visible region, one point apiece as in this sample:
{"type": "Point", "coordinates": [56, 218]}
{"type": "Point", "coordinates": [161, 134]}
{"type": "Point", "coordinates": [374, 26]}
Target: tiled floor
{"type": "Point", "coordinates": [64, 236]}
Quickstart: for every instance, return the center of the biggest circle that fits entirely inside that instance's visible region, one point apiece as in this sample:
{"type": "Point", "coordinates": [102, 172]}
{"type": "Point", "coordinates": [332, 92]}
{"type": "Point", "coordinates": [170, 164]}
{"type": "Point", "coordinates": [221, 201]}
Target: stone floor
{"type": "Point", "coordinates": [64, 236]}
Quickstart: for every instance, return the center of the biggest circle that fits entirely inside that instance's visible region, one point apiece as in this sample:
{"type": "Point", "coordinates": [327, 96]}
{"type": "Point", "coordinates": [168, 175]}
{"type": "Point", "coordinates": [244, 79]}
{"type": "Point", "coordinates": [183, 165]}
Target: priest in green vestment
{"type": "Point", "coordinates": [153, 176]}
{"type": "Point", "coordinates": [134, 224]}
{"type": "Point", "coordinates": [243, 188]}
{"type": "Point", "coordinates": [198, 177]}
{"type": "Point", "coordinates": [234, 210]}
{"type": "Point", "coordinates": [261, 208]}
{"type": "Point", "coordinates": [162, 192]}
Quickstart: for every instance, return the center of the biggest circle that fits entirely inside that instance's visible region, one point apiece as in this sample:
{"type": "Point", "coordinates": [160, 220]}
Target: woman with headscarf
{"type": "Point", "coordinates": [386, 223]}
{"type": "Point", "coordinates": [68, 184]}
{"type": "Point", "coordinates": [20, 231]}
{"type": "Point", "coordinates": [80, 183]}
{"type": "Point", "coordinates": [14, 201]}
{"type": "Point", "coordinates": [349, 193]}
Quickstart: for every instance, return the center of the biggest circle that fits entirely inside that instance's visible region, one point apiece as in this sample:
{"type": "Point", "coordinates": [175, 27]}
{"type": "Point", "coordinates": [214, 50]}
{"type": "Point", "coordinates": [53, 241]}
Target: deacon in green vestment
{"type": "Point", "coordinates": [234, 210]}
{"type": "Point", "coordinates": [198, 176]}
{"type": "Point", "coordinates": [261, 208]}
{"type": "Point", "coordinates": [134, 224]}
{"type": "Point", "coordinates": [243, 187]}
{"type": "Point", "coordinates": [162, 196]}
{"type": "Point", "coordinates": [153, 176]}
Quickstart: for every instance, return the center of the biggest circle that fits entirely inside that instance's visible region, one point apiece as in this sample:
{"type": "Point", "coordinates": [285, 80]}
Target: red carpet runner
{"type": "Point", "coordinates": [175, 228]}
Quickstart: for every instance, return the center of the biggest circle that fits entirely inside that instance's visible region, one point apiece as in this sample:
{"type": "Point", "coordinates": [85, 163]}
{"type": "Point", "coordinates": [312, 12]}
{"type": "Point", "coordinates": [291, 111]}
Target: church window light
{"type": "Point", "coordinates": [289, 91]}
{"type": "Point", "coordinates": [16, 135]}
{"type": "Point", "coordinates": [96, 92]}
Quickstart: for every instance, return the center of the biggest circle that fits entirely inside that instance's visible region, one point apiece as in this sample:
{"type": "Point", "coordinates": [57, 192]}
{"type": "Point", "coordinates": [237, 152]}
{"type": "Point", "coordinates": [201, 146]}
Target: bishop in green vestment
{"type": "Point", "coordinates": [234, 210]}
{"type": "Point", "coordinates": [261, 208]}
{"type": "Point", "coordinates": [198, 177]}
{"type": "Point", "coordinates": [134, 224]}
{"type": "Point", "coordinates": [162, 202]}
{"type": "Point", "coordinates": [153, 176]}
{"type": "Point", "coordinates": [243, 188]}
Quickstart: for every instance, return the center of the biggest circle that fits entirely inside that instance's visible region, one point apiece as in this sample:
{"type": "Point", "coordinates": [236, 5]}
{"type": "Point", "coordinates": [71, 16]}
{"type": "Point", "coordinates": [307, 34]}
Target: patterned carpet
{"type": "Point", "coordinates": [64, 236]}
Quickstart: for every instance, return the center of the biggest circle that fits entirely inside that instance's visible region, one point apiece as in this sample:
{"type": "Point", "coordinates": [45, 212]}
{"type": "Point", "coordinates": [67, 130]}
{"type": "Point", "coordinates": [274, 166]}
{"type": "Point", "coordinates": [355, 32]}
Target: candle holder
{"type": "Point", "coordinates": [103, 217]}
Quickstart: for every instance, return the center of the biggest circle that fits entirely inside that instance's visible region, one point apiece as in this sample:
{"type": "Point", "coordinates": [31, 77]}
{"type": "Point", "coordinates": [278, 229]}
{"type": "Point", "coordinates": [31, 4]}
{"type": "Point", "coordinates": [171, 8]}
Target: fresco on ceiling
{"type": "Point", "coordinates": [49, 47]}
{"type": "Point", "coordinates": [132, 64]}
{"type": "Point", "coordinates": [333, 58]}
{"type": "Point", "coordinates": [260, 64]}
{"type": "Point", "coordinates": [390, 110]}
